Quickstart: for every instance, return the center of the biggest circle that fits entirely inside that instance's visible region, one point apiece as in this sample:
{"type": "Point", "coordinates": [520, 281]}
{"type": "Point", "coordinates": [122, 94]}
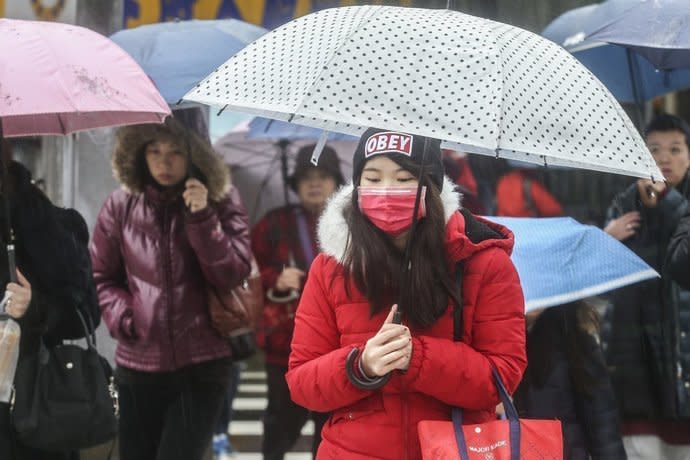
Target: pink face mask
{"type": "Point", "coordinates": [391, 208]}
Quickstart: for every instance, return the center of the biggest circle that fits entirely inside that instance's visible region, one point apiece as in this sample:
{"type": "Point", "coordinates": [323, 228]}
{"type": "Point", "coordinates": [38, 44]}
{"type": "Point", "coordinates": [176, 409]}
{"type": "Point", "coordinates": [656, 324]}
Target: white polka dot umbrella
{"type": "Point", "coordinates": [478, 85]}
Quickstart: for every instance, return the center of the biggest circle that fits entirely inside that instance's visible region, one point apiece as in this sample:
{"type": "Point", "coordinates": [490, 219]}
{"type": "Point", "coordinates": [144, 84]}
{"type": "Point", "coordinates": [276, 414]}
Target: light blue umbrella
{"type": "Point", "coordinates": [560, 260]}
{"type": "Point", "coordinates": [265, 128]}
{"type": "Point", "coordinates": [628, 77]}
{"type": "Point", "coordinates": [177, 55]}
{"type": "Point", "coordinates": [659, 30]}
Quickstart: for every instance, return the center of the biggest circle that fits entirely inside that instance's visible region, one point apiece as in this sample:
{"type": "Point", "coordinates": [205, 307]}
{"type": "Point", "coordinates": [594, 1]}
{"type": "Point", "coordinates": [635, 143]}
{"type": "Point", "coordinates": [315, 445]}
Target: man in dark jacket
{"type": "Point", "coordinates": [648, 351]}
{"type": "Point", "coordinates": [679, 253]}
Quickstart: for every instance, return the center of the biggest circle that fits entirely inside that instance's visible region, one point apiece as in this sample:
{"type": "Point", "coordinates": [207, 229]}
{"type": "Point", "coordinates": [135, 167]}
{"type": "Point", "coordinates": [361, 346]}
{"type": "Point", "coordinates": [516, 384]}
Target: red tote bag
{"type": "Point", "coordinates": [511, 439]}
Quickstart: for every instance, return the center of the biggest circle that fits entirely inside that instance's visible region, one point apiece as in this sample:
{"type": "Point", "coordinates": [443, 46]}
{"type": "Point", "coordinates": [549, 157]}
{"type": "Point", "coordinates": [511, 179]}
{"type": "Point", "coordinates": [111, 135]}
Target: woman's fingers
{"type": "Point", "coordinates": [389, 332]}
{"type": "Point", "coordinates": [394, 345]}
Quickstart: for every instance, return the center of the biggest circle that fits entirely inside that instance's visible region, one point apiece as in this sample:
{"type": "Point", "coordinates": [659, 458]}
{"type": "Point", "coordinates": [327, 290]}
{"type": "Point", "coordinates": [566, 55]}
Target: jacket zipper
{"type": "Point", "coordinates": [405, 417]}
{"type": "Point", "coordinates": [168, 280]}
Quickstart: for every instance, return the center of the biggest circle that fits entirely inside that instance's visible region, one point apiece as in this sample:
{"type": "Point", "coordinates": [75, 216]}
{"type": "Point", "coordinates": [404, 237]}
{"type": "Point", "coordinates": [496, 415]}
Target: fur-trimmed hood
{"type": "Point", "coordinates": [131, 141]}
{"type": "Point", "coordinates": [333, 231]}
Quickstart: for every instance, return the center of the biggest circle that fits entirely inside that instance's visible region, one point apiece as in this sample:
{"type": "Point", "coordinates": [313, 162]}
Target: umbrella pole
{"type": "Point", "coordinates": [406, 268]}
{"type": "Point", "coordinates": [12, 267]}
{"type": "Point", "coordinates": [283, 145]}
{"type": "Point", "coordinates": [635, 83]}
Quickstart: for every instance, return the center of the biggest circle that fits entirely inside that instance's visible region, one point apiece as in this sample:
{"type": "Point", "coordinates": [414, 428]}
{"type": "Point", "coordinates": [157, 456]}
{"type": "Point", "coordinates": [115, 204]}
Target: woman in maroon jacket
{"type": "Point", "coordinates": [175, 228]}
{"type": "Point", "coordinates": [349, 300]}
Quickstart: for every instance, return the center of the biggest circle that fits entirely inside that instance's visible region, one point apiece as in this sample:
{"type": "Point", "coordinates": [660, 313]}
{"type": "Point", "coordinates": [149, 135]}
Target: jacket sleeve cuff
{"type": "Point", "coordinates": [127, 325]}
{"type": "Point", "coordinates": [200, 216]}
{"type": "Point", "coordinates": [415, 360]}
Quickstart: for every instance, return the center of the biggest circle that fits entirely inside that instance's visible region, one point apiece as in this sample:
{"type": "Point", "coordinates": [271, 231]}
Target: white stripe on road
{"type": "Point", "coordinates": [252, 388]}
{"type": "Point", "coordinates": [249, 403]}
{"type": "Point", "coordinates": [253, 375]}
{"type": "Point", "coordinates": [256, 428]}
{"type": "Point", "coordinates": [288, 456]}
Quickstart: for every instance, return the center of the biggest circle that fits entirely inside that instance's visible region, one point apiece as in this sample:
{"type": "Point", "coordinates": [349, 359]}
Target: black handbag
{"type": "Point", "coordinates": [65, 397]}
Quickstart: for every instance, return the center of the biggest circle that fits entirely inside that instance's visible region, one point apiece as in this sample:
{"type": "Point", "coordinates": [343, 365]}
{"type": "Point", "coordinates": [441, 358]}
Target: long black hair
{"type": "Point", "coordinates": [375, 263]}
{"type": "Point", "coordinates": [576, 326]}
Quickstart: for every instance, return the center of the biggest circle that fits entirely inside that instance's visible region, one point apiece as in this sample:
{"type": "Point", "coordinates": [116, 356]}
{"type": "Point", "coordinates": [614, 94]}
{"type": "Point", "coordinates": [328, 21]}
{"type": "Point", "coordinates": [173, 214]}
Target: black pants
{"type": "Point", "coordinates": [283, 420]}
{"type": "Point", "coordinates": [168, 421]}
{"type": "Point", "coordinates": [11, 449]}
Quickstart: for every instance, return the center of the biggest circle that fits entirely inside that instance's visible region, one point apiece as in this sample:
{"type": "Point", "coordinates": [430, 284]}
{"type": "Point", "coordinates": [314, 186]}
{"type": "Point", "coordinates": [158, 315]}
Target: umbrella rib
{"type": "Point", "coordinates": [335, 53]}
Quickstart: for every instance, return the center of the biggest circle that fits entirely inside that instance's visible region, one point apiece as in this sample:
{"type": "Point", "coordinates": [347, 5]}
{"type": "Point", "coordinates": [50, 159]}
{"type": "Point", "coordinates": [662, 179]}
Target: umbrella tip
{"type": "Point", "coordinates": [222, 110]}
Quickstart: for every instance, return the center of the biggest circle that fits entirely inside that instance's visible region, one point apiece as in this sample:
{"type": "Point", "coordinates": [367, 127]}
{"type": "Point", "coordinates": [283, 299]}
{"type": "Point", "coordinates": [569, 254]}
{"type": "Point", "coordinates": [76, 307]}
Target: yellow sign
{"type": "Point", "coordinates": [266, 13]}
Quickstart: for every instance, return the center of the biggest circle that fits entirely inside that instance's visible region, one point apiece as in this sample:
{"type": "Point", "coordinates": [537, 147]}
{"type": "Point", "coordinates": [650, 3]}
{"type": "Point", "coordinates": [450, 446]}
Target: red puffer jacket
{"type": "Point", "coordinates": [382, 424]}
{"type": "Point", "coordinates": [151, 263]}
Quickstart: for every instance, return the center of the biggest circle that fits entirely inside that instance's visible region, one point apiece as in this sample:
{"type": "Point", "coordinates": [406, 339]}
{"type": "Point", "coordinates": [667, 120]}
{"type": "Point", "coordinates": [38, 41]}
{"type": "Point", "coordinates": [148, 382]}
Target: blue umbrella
{"type": "Point", "coordinates": [659, 30]}
{"type": "Point", "coordinates": [265, 128]}
{"type": "Point", "coordinates": [177, 55]}
{"type": "Point", "coordinates": [560, 260]}
{"type": "Point", "coordinates": [628, 77]}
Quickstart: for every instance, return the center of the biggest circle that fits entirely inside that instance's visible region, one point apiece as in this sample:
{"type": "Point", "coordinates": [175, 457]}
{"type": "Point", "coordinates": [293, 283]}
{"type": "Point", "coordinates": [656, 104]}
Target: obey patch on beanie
{"type": "Point", "coordinates": [388, 142]}
{"type": "Point", "coordinates": [376, 141]}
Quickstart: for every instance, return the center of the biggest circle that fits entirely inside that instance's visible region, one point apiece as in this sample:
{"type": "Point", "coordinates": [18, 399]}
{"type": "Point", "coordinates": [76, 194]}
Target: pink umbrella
{"type": "Point", "coordinates": [60, 78]}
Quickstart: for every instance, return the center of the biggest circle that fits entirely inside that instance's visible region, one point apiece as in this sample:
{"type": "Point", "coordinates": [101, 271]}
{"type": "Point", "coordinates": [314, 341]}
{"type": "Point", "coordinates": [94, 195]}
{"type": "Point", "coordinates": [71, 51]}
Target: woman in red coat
{"type": "Point", "coordinates": [349, 302]}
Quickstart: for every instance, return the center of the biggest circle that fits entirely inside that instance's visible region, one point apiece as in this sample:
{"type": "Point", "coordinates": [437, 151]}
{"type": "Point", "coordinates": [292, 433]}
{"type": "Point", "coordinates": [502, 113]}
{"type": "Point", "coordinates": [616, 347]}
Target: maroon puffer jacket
{"type": "Point", "coordinates": [151, 263]}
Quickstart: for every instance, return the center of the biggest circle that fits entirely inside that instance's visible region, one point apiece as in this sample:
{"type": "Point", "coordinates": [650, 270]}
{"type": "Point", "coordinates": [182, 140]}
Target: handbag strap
{"type": "Point", "coordinates": [89, 330]}
{"type": "Point", "coordinates": [509, 407]}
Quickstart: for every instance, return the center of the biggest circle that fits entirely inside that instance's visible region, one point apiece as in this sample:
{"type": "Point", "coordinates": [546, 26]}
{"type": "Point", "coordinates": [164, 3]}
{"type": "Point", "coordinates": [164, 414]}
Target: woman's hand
{"type": "Point", "coordinates": [195, 195]}
{"type": "Point", "coordinates": [290, 278]}
{"type": "Point", "coordinates": [649, 191]}
{"type": "Point", "coordinates": [389, 349]}
{"type": "Point", "coordinates": [625, 226]}
{"type": "Point", "coordinates": [19, 297]}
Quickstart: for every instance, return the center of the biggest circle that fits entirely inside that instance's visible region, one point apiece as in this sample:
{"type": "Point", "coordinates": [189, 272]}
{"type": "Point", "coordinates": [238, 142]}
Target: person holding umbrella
{"type": "Point", "coordinates": [176, 230]}
{"type": "Point", "coordinates": [377, 352]}
{"type": "Point", "coordinates": [648, 350]}
{"type": "Point", "coordinates": [284, 244]}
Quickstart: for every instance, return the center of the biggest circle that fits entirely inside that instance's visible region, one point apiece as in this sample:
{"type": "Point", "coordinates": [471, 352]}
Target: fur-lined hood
{"type": "Point", "coordinates": [131, 141]}
{"type": "Point", "coordinates": [333, 232]}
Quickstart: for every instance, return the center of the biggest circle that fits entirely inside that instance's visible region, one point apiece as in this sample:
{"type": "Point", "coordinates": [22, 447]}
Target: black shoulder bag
{"type": "Point", "coordinates": [65, 397]}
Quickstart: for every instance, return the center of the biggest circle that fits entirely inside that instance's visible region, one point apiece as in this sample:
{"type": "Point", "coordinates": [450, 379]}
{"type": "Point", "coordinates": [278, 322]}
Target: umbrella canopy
{"type": "Point", "coordinates": [59, 78]}
{"type": "Point", "coordinates": [560, 260]}
{"type": "Point", "coordinates": [171, 52]}
{"type": "Point", "coordinates": [479, 86]}
{"type": "Point", "coordinates": [255, 167]}
{"type": "Point", "coordinates": [629, 77]}
{"type": "Point", "coordinates": [265, 128]}
{"type": "Point", "coordinates": [659, 30]}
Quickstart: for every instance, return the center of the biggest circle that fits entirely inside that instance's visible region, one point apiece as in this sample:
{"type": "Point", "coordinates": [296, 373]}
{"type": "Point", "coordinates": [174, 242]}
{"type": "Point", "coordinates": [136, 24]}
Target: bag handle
{"type": "Point", "coordinates": [509, 407]}
{"type": "Point", "coordinates": [89, 332]}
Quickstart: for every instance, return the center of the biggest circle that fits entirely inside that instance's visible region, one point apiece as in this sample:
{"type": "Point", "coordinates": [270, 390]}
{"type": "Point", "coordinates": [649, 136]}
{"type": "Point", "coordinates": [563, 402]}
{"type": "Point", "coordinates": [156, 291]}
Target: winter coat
{"type": "Point", "coordinates": [329, 323]}
{"type": "Point", "coordinates": [679, 253]}
{"type": "Point", "coordinates": [51, 249]}
{"type": "Point", "coordinates": [153, 260]}
{"type": "Point", "coordinates": [517, 195]}
{"type": "Point", "coordinates": [648, 351]}
{"type": "Point", "coordinates": [274, 238]}
{"type": "Point", "coordinates": [589, 416]}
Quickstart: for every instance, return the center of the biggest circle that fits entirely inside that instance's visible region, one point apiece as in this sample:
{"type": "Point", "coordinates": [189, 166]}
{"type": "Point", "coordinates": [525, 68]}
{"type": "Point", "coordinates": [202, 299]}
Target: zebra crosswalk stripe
{"type": "Point", "coordinates": [246, 428]}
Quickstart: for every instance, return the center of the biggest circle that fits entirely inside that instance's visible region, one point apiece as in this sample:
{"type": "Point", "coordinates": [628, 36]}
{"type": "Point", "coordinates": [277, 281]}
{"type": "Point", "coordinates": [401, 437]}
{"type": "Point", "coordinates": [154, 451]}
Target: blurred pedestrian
{"type": "Point", "coordinates": [567, 379]}
{"type": "Point", "coordinates": [53, 277]}
{"type": "Point", "coordinates": [520, 193]}
{"type": "Point", "coordinates": [284, 244]}
{"type": "Point", "coordinates": [222, 445]}
{"type": "Point", "coordinates": [648, 350]}
{"type": "Point", "coordinates": [176, 228]}
{"type": "Point", "coordinates": [679, 253]}
{"type": "Point", "coordinates": [346, 341]}
{"type": "Point", "coordinates": [458, 169]}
